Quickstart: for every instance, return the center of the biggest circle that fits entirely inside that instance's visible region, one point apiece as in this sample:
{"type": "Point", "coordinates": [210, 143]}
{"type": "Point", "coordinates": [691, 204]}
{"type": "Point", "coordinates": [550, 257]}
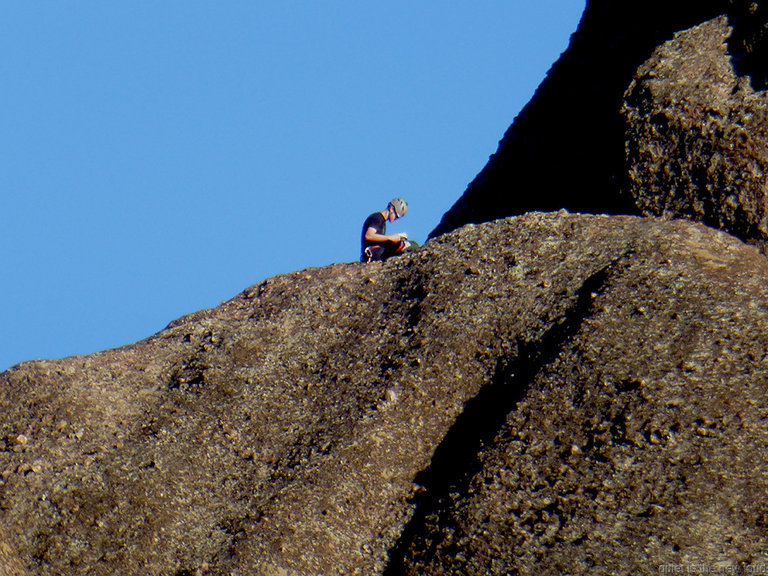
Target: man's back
{"type": "Point", "coordinates": [378, 223]}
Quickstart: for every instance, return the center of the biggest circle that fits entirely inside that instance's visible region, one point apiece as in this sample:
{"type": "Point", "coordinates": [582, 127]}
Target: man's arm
{"type": "Point", "coordinates": [372, 236]}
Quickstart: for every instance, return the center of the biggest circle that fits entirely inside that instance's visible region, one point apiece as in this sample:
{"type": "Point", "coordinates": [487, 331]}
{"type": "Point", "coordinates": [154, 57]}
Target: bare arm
{"type": "Point", "coordinates": [372, 236]}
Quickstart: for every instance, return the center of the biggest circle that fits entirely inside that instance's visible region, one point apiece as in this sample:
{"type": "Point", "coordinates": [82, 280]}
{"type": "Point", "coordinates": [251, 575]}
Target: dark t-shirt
{"type": "Point", "coordinates": [378, 223]}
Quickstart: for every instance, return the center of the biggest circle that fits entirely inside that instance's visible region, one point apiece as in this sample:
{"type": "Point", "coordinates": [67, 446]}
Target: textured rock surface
{"type": "Point", "coordinates": [640, 439]}
{"type": "Point", "coordinates": [516, 397]}
{"type": "Point", "coordinates": [566, 149]}
{"type": "Point", "coordinates": [697, 135]}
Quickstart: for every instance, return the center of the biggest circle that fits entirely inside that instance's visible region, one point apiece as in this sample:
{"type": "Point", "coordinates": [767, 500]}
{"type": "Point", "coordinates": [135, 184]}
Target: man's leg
{"type": "Point", "coordinates": [393, 249]}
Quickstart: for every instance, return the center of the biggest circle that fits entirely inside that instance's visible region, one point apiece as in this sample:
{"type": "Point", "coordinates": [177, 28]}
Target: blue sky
{"type": "Point", "coordinates": [158, 157]}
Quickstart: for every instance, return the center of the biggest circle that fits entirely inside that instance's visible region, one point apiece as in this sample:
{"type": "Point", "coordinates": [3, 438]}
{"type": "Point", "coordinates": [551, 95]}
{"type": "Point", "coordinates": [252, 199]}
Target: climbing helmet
{"type": "Point", "coordinates": [400, 206]}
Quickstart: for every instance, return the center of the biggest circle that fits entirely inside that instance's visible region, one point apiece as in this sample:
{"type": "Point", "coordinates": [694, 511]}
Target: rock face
{"type": "Point", "coordinates": [697, 135]}
{"type": "Point", "coordinates": [638, 434]}
{"type": "Point", "coordinates": [545, 394]}
{"type": "Point", "coordinates": [617, 127]}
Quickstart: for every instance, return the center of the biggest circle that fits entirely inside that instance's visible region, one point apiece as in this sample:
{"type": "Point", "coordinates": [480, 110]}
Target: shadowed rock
{"type": "Point", "coordinates": [566, 148]}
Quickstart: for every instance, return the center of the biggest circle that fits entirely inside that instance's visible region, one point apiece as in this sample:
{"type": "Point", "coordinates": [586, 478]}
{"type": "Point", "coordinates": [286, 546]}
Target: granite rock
{"type": "Point", "coordinates": [513, 396]}
{"type": "Point", "coordinates": [697, 135]}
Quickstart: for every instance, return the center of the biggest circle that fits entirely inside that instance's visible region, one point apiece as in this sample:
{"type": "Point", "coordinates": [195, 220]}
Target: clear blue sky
{"type": "Point", "coordinates": [158, 157]}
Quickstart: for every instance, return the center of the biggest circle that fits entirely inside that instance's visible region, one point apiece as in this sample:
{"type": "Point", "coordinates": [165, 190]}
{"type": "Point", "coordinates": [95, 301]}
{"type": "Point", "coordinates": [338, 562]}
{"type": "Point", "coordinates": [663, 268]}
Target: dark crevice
{"type": "Point", "coordinates": [458, 457]}
{"type": "Point", "coordinates": [411, 290]}
{"type": "Point", "coordinates": [748, 44]}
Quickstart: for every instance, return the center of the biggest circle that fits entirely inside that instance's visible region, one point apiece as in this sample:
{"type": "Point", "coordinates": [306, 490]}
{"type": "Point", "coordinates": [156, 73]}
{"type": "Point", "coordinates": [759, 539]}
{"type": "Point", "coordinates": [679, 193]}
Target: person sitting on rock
{"type": "Point", "coordinates": [376, 244]}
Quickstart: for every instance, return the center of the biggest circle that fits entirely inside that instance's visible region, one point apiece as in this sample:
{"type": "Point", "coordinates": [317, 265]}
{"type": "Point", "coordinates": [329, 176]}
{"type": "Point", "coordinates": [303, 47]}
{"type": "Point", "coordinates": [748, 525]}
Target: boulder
{"type": "Point", "coordinates": [697, 135]}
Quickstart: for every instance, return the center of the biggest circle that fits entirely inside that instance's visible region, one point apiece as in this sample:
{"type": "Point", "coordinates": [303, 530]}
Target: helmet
{"type": "Point", "coordinates": [400, 206]}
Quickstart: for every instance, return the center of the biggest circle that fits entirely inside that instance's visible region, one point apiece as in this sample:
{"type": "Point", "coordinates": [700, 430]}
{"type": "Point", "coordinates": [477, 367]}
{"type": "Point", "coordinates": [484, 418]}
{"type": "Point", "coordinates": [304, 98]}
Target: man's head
{"type": "Point", "coordinates": [397, 208]}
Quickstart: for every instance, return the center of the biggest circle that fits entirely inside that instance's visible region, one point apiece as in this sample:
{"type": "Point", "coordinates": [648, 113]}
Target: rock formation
{"type": "Point", "coordinates": [542, 394]}
{"type": "Point", "coordinates": [697, 135]}
{"type": "Point", "coordinates": [544, 391]}
{"type": "Point", "coordinates": [635, 440]}
{"type": "Point", "coordinates": [618, 127]}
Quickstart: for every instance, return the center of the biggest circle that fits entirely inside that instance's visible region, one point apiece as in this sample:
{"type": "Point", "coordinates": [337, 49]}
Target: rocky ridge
{"type": "Point", "coordinates": [547, 390]}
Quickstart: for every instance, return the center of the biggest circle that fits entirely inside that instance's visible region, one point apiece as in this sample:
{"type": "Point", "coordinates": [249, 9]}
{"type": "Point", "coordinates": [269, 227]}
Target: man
{"type": "Point", "coordinates": [376, 245]}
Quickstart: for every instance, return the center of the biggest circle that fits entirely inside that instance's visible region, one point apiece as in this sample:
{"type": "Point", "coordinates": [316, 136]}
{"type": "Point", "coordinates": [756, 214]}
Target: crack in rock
{"type": "Point", "coordinates": [457, 458]}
